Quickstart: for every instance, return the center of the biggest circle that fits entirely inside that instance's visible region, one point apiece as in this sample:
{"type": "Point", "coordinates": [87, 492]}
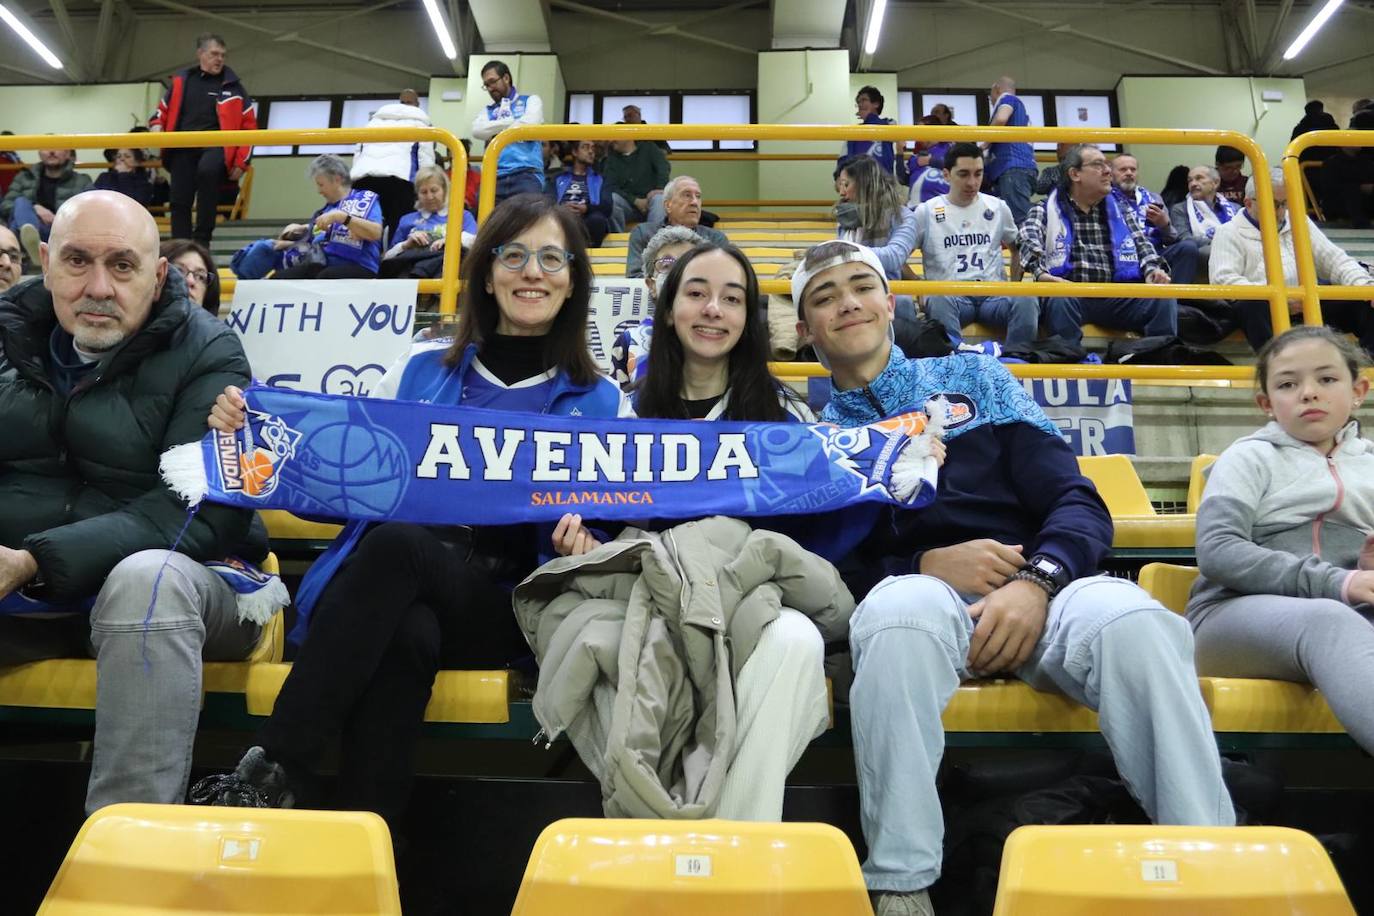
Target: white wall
{"type": "Point", "coordinates": [110, 108]}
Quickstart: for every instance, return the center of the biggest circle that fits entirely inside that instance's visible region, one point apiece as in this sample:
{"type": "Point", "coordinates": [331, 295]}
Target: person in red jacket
{"type": "Point", "coordinates": [208, 96]}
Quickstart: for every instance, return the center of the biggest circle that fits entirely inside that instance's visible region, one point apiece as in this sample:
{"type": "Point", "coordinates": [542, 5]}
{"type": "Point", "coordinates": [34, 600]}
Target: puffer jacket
{"type": "Point", "coordinates": [398, 159]}
{"type": "Point", "coordinates": [667, 621]}
{"type": "Point", "coordinates": [25, 184]}
{"type": "Point", "coordinates": [79, 482]}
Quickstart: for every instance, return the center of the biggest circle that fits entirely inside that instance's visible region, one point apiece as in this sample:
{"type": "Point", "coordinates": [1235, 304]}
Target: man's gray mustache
{"type": "Point", "coordinates": [98, 307]}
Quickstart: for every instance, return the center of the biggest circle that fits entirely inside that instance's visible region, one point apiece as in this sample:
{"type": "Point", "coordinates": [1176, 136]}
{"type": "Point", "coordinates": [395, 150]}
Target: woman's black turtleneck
{"type": "Point", "coordinates": [513, 359]}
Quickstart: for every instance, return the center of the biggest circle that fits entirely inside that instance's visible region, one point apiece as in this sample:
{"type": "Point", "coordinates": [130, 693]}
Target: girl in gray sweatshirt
{"type": "Point", "coordinates": [1283, 534]}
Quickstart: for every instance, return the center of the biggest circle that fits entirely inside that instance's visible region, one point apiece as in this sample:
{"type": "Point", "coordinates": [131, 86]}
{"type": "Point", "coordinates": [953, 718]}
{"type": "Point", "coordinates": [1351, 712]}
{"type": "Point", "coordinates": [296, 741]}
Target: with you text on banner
{"type": "Point", "coordinates": [358, 458]}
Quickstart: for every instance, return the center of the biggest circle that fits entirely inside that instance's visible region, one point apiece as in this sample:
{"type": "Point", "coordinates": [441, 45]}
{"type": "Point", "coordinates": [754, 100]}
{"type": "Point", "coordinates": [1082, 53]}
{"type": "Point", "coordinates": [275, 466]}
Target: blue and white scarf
{"type": "Point", "coordinates": [1059, 239]}
{"type": "Point", "coordinates": [1205, 221]}
{"type": "Point", "coordinates": [374, 460]}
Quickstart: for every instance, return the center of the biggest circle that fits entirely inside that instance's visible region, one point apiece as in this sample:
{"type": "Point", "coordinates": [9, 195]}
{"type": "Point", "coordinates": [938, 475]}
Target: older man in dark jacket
{"type": "Point", "coordinates": [104, 365]}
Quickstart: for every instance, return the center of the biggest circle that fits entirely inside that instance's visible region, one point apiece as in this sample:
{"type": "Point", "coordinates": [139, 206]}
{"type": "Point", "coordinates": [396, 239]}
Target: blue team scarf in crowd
{"type": "Point", "coordinates": [357, 458]}
{"type": "Point", "coordinates": [1058, 258]}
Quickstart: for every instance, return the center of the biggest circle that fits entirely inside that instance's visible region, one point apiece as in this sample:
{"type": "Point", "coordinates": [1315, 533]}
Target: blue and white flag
{"type": "Point", "coordinates": [359, 458]}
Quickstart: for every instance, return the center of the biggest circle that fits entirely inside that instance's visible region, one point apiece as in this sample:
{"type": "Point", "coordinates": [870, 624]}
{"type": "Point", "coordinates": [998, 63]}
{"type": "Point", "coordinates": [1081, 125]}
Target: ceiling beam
{"type": "Point", "coordinates": [656, 29]}
{"type": "Point", "coordinates": [1270, 58]}
{"type": "Point", "coordinates": [103, 30]}
{"type": "Point", "coordinates": [74, 65]}
{"type": "Point", "coordinates": [807, 23]}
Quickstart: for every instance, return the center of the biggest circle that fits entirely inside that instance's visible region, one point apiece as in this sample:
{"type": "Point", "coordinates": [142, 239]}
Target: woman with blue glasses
{"type": "Point", "coordinates": [389, 605]}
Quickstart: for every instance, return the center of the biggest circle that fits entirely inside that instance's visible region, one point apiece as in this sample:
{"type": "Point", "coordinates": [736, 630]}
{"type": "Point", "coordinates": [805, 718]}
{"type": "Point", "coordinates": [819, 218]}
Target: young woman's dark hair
{"type": "Point", "coordinates": [175, 248]}
{"type": "Point", "coordinates": [478, 312]}
{"type": "Point", "coordinates": [753, 391]}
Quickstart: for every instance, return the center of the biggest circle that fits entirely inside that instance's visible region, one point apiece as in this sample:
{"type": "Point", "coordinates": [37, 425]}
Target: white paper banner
{"type": "Point", "coordinates": [617, 304]}
{"type": "Point", "coordinates": [329, 336]}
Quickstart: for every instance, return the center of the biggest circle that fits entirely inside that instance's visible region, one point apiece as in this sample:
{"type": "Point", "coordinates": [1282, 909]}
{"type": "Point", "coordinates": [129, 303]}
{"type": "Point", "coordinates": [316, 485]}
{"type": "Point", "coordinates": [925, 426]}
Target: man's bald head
{"type": "Point", "coordinates": [101, 264]}
{"type": "Point", "coordinates": [1004, 84]}
{"type": "Point", "coordinates": [11, 259]}
{"type": "Point", "coordinates": [410, 97]}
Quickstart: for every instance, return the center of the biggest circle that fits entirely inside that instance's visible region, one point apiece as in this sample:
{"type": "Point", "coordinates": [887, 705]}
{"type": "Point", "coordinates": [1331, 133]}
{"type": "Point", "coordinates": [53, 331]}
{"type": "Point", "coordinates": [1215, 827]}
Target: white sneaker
{"type": "Point", "coordinates": [29, 238]}
{"type": "Point", "coordinates": [916, 903]}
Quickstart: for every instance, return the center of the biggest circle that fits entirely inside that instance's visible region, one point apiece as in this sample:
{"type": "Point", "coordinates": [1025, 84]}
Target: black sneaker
{"type": "Point", "coordinates": [256, 782]}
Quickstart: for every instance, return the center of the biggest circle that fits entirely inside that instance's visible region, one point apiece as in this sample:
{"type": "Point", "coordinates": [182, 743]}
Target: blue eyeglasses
{"type": "Point", "coordinates": [514, 256]}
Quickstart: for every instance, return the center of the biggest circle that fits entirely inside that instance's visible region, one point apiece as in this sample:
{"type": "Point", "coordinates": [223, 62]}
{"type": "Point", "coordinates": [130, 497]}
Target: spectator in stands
{"type": "Point", "coordinates": [208, 96]}
{"type": "Point", "coordinates": [586, 193]}
{"type": "Point", "coordinates": [1286, 585]}
{"type": "Point", "coordinates": [662, 251]}
{"type": "Point", "coordinates": [1082, 233]}
{"type": "Point", "coordinates": [869, 105]}
{"type": "Point", "coordinates": [11, 259]}
{"type": "Point", "coordinates": [197, 268]}
{"type": "Point", "coordinates": [1230, 161]}
{"type": "Point", "coordinates": [8, 157]}
{"type": "Point", "coordinates": [927, 175]}
{"type": "Point", "coordinates": [999, 576]}
{"type": "Point", "coordinates": [37, 193]}
{"type": "Point", "coordinates": [942, 113]}
{"type": "Point", "coordinates": [961, 235]}
{"type": "Point", "coordinates": [681, 207]}
{"type": "Point", "coordinates": [388, 605]}
{"type": "Point", "coordinates": [1179, 251]}
{"type": "Point", "coordinates": [1175, 188]}
{"type": "Point", "coordinates": [127, 175]}
{"type": "Point", "coordinates": [520, 169]}
{"type": "Point", "coordinates": [1316, 117]}
{"type": "Point", "coordinates": [1011, 166]}
{"type": "Point", "coordinates": [872, 212]}
{"type": "Point", "coordinates": [345, 233]}
{"type": "Point", "coordinates": [636, 172]}
{"type": "Point", "coordinates": [631, 114]}
{"type": "Point", "coordinates": [84, 513]}
{"type": "Point", "coordinates": [1051, 176]}
{"type": "Point", "coordinates": [1203, 212]}
{"type": "Point", "coordinates": [423, 233]}
{"type": "Point", "coordinates": [1238, 259]}
{"type": "Point", "coordinates": [1348, 177]}
{"type": "Point", "coordinates": [389, 169]}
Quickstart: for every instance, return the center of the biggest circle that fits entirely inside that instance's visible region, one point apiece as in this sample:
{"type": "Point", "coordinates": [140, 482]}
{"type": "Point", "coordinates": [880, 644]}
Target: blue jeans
{"type": "Point", "coordinates": [522, 181]}
{"type": "Point", "coordinates": [25, 215]}
{"type": "Point", "coordinates": [1019, 315]}
{"type": "Point", "coordinates": [624, 211]}
{"type": "Point", "coordinates": [1107, 644]}
{"type": "Point", "coordinates": [1065, 315]}
{"type": "Point", "coordinates": [1015, 187]}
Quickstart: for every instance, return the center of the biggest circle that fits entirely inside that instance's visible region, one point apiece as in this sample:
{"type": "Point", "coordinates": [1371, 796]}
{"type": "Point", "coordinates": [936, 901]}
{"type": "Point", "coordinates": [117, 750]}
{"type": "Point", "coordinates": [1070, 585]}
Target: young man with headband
{"type": "Point", "coordinates": [1000, 575]}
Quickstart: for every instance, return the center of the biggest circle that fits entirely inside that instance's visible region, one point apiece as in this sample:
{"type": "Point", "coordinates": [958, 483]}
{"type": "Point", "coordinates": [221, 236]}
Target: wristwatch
{"type": "Point", "coordinates": [1045, 572]}
{"type": "Point", "coordinates": [348, 218]}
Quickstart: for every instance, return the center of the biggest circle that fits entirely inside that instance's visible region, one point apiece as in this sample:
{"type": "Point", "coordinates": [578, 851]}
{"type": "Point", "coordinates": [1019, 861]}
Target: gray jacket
{"type": "Point", "coordinates": [665, 620]}
{"type": "Point", "coordinates": [1279, 518]}
{"type": "Point", "coordinates": [634, 257]}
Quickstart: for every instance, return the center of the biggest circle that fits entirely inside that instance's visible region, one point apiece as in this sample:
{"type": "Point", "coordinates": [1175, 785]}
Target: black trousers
{"type": "Point", "coordinates": [196, 178]}
{"type": "Point", "coordinates": [404, 605]}
{"type": "Point", "coordinates": [339, 270]}
{"type": "Point", "coordinates": [397, 199]}
{"type": "Point", "coordinates": [597, 226]}
{"type": "Point", "coordinates": [1353, 317]}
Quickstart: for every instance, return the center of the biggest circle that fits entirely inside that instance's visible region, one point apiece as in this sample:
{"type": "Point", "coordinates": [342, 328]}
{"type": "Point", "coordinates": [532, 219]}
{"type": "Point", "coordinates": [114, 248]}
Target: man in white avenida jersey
{"type": "Point", "coordinates": [961, 235]}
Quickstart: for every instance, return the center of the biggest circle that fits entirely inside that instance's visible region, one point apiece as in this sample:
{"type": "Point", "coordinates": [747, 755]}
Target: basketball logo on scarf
{"type": "Point", "coordinates": [249, 468]}
{"type": "Point", "coordinates": [868, 452]}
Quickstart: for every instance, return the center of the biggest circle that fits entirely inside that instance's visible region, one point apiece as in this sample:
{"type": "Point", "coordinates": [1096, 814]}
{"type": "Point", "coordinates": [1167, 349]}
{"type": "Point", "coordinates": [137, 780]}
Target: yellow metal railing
{"type": "Point", "coordinates": [1297, 216]}
{"type": "Point", "coordinates": [237, 210]}
{"type": "Point", "coordinates": [447, 286]}
{"type": "Point", "coordinates": [1273, 291]}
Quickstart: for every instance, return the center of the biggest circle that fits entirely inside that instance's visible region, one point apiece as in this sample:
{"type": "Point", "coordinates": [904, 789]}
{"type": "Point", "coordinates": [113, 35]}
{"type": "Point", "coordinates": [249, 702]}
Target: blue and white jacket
{"type": "Point", "coordinates": [1007, 475]}
{"type": "Point", "coordinates": [512, 110]}
{"type": "Point", "coordinates": [425, 378]}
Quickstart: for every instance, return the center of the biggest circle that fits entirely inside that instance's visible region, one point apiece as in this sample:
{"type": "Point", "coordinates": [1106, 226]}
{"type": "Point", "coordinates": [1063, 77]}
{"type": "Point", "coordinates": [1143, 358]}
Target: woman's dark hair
{"type": "Point", "coordinates": [1176, 185]}
{"type": "Point", "coordinates": [565, 346]}
{"type": "Point", "coordinates": [1350, 353]}
{"type": "Point", "coordinates": [175, 248]}
{"type": "Point", "coordinates": [753, 391]}
{"type": "Point", "coordinates": [874, 96]}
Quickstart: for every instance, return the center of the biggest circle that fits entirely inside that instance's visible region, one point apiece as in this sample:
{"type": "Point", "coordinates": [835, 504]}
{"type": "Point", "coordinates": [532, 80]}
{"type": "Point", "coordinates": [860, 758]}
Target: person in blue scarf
{"type": "Point", "coordinates": [390, 604]}
{"type": "Point", "coordinates": [347, 230]}
{"type": "Point", "coordinates": [1082, 233]}
{"type": "Point", "coordinates": [1000, 575]}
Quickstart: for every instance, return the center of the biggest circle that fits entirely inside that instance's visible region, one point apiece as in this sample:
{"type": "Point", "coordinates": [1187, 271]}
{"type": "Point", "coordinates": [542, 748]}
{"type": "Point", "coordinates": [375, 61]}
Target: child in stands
{"type": "Point", "coordinates": [1283, 534]}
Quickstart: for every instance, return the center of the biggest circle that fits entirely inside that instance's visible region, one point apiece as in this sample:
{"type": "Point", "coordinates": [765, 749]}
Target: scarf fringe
{"type": "Point", "coordinates": [262, 605]}
{"type": "Point", "coordinates": [183, 470]}
{"type": "Point", "coordinates": [916, 467]}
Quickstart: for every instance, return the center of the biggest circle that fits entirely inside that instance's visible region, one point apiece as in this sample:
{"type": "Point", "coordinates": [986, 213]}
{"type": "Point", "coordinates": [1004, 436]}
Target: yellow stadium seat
{"type": "Point", "coordinates": [1197, 480]}
{"type": "Point", "coordinates": [1134, 518]}
{"type": "Point", "coordinates": [667, 868]}
{"type": "Point", "coordinates": [283, 526]}
{"type": "Point", "coordinates": [1168, 584]}
{"type": "Point", "coordinates": [458, 696]}
{"type": "Point", "coordinates": [1137, 870]}
{"type": "Point", "coordinates": [70, 683]}
{"type": "Point", "coordinates": [194, 861]}
{"type": "Point", "coordinates": [1013, 706]}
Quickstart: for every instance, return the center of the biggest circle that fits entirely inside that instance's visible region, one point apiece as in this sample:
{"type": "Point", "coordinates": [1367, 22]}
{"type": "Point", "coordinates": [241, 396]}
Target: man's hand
{"type": "Point", "coordinates": [44, 213]}
{"type": "Point", "coordinates": [579, 208]}
{"type": "Point", "coordinates": [235, 173]}
{"type": "Point", "coordinates": [418, 239]}
{"type": "Point", "coordinates": [1156, 216]}
{"type": "Point", "coordinates": [1010, 621]}
{"type": "Point", "coordinates": [1047, 277]}
{"type": "Point", "coordinates": [1158, 277]}
{"type": "Point", "coordinates": [973, 567]}
{"type": "Point", "coordinates": [17, 569]}
{"type": "Point", "coordinates": [122, 167]}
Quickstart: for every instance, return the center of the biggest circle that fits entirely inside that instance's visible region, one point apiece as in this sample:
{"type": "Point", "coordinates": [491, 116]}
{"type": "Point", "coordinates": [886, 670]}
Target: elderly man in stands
{"type": "Point", "coordinates": [1153, 216]}
{"type": "Point", "coordinates": [37, 193]}
{"type": "Point", "coordinates": [681, 207]}
{"type": "Point", "coordinates": [636, 171]}
{"type": "Point", "coordinates": [104, 364]}
{"type": "Point", "coordinates": [1203, 213]}
{"type": "Point", "coordinates": [1238, 259]}
{"type": "Point", "coordinates": [11, 259]}
{"type": "Point", "coordinates": [1082, 233]}
{"type": "Point", "coordinates": [584, 191]}
{"type": "Point", "coordinates": [1011, 166]}
{"type": "Point", "coordinates": [520, 169]}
